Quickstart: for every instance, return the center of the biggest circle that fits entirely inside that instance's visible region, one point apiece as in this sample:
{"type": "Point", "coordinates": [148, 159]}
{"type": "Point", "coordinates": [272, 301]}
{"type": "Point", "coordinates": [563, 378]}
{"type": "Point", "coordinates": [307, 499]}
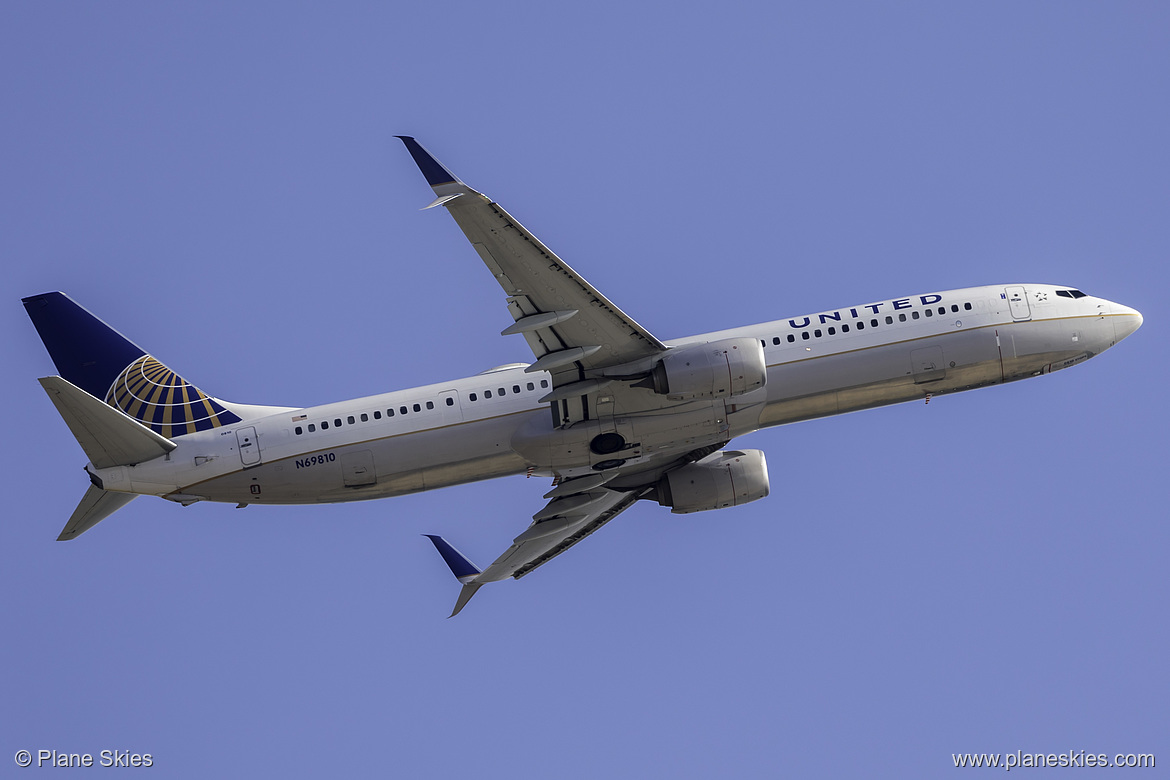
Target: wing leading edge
{"type": "Point", "coordinates": [564, 319]}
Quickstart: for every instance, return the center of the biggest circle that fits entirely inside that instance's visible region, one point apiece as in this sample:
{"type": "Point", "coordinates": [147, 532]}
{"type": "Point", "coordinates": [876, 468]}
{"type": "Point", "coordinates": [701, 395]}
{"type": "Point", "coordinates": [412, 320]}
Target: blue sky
{"type": "Point", "coordinates": [220, 183]}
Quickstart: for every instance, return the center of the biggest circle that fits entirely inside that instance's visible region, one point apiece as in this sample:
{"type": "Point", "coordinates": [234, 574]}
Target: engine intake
{"type": "Point", "coordinates": [717, 369]}
{"type": "Point", "coordinates": [722, 479]}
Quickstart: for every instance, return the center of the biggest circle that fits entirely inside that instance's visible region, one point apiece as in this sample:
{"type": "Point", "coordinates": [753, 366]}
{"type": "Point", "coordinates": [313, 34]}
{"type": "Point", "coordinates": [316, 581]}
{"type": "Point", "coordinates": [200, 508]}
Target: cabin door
{"type": "Point", "coordinates": [249, 446]}
{"type": "Point", "coordinates": [1018, 303]}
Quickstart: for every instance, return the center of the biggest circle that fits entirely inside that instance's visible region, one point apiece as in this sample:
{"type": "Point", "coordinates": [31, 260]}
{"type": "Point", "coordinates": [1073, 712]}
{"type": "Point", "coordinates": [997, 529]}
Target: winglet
{"type": "Point", "coordinates": [464, 570]}
{"type": "Point", "coordinates": [433, 170]}
{"type": "Point", "coordinates": [465, 596]}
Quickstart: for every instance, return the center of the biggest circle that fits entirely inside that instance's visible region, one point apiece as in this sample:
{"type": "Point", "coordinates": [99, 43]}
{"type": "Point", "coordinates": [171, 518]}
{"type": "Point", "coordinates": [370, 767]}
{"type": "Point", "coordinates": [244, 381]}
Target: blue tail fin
{"type": "Point", "coordinates": [104, 363]}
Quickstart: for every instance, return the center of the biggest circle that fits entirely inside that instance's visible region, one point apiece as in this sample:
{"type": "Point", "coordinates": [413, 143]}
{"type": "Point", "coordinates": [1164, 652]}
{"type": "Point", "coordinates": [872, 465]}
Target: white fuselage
{"type": "Point", "coordinates": [492, 424]}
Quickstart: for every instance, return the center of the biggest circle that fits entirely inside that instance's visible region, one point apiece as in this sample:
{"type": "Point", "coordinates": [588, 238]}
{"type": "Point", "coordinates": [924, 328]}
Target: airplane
{"type": "Point", "coordinates": [606, 410]}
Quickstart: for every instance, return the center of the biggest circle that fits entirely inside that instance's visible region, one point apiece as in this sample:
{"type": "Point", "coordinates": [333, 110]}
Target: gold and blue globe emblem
{"type": "Point", "coordinates": [159, 398]}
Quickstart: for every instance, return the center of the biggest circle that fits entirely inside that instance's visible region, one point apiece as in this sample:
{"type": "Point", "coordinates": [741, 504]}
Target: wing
{"type": "Point", "coordinates": [568, 518]}
{"type": "Point", "coordinates": [586, 343]}
{"type": "Point", "coordinates": [565, 320]}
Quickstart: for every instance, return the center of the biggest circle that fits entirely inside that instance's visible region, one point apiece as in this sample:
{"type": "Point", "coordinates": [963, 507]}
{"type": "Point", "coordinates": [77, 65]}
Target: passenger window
{"type": "Point", "coordinates": [312, 428]}
{"type": "Point", "coordinates": [350, 419]}
{"type": "Point", "coordinates": [365, 417]}
{"type": "Point", "coordinates": [417, 408]}
{"type": "Point", "coordinates": [791, 338]}
{"type": "Point", "coordinates": [377, 415]}
{"type": "Point", "coordinates": [501, 391]}
{"type": "Point", "coordinates": [913, 314]}
{"type": "Point", "coordinates": [860, 324]}
{"type": "Point", "coordinates": [942, 309]}
{"type": "Point", "coordinates": [450, 401]}
{"type": "Point", "coordinates": [403, 410]}
{"type": "Point", "coordinates": [844, 328]}
{"type": "Point", "coordinates": [954, 307]}
{"type": "Point", "coordinates": [472, 396]}
{"type": "Point", "coordinates": [902, 317]}
{"type": "Point", "coordinates": [430, 404]}
{"type": "Point", "coordinates": [776, 340]}
{"type": "Point", "coordinates": [324, 425]}
{"type": "Point", "coordinates": [487, 393]}
{"type": "Point", "coordinates": [389, 412]}
{"type": "Point", "coordinates": [544, 383]}
{"type": "Point", "coordinates": [336, 422]}
{"type": "Point", "coordinates": [873, 323]}
{"type": "Point", "coordinates": [297, 430]}
{"type": "Point", "coordinates": [832, 331]}
{"type": "Point", "coordinates": [890, 320]}
{"type": "Point", "coordinates": [531, 386]}
{"type": "Point", "coordinates": [515, 388]}
{"type": "Point", "coordinates": [817, 333]}
{"type": "Point", "coordinates": [967, 306]}
{"type": "Point", "coordinates": [930, 312]}
{"type": "Point", "coordinates": [804, 335]}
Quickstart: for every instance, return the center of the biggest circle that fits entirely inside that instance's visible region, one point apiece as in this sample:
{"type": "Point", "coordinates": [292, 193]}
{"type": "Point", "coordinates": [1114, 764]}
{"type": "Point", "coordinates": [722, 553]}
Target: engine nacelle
{"type": "Point", "coordinates": [717, 369]}
{"type": "Point", "coordinates": [722, 479]}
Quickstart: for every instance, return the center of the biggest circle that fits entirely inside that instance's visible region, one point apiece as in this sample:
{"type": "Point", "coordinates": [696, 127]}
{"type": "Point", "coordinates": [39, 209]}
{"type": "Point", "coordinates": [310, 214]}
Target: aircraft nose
{"type": "Point", "coordinates": [1125, 320]}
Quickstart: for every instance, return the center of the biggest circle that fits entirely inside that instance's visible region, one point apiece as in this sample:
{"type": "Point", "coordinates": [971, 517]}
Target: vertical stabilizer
{"type": "Point", "coordinates": [91, 355]}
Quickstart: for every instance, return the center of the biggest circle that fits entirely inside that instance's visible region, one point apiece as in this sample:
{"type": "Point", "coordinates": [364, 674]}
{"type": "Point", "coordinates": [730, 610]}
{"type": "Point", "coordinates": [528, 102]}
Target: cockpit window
{"type": "Point", "coordinates": [1071, 294]}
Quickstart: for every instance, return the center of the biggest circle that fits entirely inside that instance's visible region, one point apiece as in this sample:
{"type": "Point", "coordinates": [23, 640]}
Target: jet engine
{"type": "Point", "coordinates": [722, 479]}
{"type": "Point", "coordinates": [717, 369]}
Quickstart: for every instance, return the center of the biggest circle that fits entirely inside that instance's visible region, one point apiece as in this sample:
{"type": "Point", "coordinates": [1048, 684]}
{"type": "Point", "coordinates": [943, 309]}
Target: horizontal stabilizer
{"type": "Point", "coordinates": [108, 436]}
{"type": "Point", "coordinates": [96, 505]}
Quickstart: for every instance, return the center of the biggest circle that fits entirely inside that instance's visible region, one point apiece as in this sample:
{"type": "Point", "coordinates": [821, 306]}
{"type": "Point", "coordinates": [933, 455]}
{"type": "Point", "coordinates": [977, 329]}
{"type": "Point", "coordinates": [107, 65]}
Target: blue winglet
{"type": "Point", "coordinates": [436, 175]}
{"type": "Point", "coordinates": [460, 566]}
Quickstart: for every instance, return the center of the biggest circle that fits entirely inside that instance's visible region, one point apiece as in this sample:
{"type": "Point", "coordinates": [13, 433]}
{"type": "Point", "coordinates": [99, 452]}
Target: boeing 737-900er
{"type": "Point", "coordinates": [607, 411]}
